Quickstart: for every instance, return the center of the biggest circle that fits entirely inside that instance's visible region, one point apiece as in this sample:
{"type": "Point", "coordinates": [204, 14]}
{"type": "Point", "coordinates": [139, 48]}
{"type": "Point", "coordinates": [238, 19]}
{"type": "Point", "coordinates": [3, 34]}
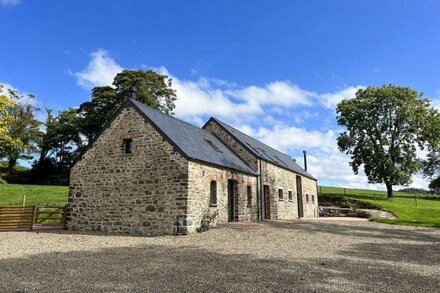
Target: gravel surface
{"type": "Point", "coordinates": [302, 256]}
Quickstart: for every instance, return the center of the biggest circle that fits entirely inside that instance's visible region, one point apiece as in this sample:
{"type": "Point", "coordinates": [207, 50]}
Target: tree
{"type": "Point", "coordinates": [153, 89]}
{"type": "Point", "coordinates": [6, 141]}
{"type": "Point", "coordinates": [384, 127]}
{"type": "Point", "coordinates": [434, 185]}
{"type": "Point", "coordinates": [23, 128]}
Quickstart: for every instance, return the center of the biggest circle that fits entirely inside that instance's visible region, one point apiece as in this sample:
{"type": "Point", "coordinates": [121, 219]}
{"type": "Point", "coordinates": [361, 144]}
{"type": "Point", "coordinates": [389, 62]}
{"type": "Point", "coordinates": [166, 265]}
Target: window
{"type": "Point", "coordinates": [307, 197]}
{"type": "Point", "coordinates": [280, 194]}
{"type": "Point", "coordinates": [313, 198]}
{"type": "Point", "coordinates": [128, 146]}
{"type": "Point", "coordinates": [213, 195]}
{"type": "Point", "coordinates": [290, 195]}
{"type": "Point", "coordinates": [249, 196]}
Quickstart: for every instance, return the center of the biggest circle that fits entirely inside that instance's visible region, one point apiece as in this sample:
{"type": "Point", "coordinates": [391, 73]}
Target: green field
{"type": "Point", "coordinates": [423, 212]}
{"type": "Point", "coordinates": [12, 194]}
{"type": "Point", "coordinates": [426, 213]}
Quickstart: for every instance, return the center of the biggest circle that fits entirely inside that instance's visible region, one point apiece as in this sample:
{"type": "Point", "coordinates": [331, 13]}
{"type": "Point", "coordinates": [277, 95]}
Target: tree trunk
{"type": "Point", "coordinates": [11, 165]}
{"type": "Point", "coordinates": [389, 190]}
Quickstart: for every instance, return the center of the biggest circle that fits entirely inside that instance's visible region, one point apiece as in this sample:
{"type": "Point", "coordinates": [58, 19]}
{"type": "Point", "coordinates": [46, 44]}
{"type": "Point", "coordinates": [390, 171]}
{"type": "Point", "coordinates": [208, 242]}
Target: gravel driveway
{"type": "Point", "coordinates": [303, 256]}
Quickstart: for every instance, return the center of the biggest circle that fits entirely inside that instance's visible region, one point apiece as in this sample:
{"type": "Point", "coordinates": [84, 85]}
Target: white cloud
{"type": "Point", "coordinates": [282, 93]}
{"type": "Point", "coordinates": [271, 106]}
{"type": "Point", "coordinates": [331, 100]}
{"type": "Point", "coordinates": [10, 2]}
{"type": "Point", "coordinates": [99, 72]}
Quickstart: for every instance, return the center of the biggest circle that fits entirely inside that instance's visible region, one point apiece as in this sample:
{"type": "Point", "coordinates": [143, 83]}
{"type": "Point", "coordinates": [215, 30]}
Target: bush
{"type": "Point", "coordinates": [206, 222]}
{"type": "Point", "coordinates": [3, 181]}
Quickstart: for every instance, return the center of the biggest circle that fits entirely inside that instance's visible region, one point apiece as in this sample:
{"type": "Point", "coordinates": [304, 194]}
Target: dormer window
{"type": "Point", "coordinates": [128, 146]}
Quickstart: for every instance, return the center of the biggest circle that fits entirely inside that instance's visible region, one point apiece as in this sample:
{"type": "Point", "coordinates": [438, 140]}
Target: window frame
{"type": "Point", "coordinates": [280, 194]}
{"type": "Point", "coordinates": [249, 196]}
{"type": "Point", "coordinates": [290, 195]}
{"type": "Point", "coordinates": [213, 193]}
{"type": "Point", "coordinates": [307, 198]}
{"type": "Point", "coordinates": [128, 146]}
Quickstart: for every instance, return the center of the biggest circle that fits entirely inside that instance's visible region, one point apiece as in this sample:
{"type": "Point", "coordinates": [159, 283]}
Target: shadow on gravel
{"type": "Point", "coordinates": [155, 268]}
{"type": "Point", "coordinates": [391, 232]}
{"type": "Point", "coordinates": [424, 254]}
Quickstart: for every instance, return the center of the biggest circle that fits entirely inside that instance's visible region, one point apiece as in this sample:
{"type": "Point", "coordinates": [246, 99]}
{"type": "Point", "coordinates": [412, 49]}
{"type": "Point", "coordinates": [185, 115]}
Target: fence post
{"type": "Point", "coordinates": [23, 200]}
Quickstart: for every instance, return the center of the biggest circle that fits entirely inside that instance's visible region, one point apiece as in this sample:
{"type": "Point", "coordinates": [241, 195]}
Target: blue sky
{"type": "Point", "coordinates": [274, 69]}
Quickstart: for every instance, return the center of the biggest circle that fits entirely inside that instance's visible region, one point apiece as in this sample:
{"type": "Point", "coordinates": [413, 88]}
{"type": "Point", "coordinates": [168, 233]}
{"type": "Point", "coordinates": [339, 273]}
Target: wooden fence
{"type": "Point", "coordinates": [17, 217]}
{"type": "Point", "coordinates": [26, 217]}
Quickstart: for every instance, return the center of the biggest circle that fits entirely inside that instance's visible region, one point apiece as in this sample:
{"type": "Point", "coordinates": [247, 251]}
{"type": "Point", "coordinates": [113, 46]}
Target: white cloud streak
{"type": "Point", "coordinates": [99, 72]}
{"type": "Point", "coordinates": [10, 2]}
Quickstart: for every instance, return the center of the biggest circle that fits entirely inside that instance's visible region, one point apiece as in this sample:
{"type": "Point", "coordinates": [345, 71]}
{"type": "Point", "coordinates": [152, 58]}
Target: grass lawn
{"type": "Point", "coordinates": [11, 194]}
{"type": "Point", "coordinates": [426, 213]}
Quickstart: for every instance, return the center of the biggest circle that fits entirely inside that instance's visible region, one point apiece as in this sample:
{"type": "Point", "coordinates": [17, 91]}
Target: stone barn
{"type": "Point", "coordinates": [149, 173]}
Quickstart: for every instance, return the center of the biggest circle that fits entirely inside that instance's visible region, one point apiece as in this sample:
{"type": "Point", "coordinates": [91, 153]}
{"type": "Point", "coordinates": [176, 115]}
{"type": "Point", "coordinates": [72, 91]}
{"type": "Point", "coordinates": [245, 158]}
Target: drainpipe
{"type": "Point", "coordinates": [258, 195]}
{"type": "Point", "coordinates": [261, 191]}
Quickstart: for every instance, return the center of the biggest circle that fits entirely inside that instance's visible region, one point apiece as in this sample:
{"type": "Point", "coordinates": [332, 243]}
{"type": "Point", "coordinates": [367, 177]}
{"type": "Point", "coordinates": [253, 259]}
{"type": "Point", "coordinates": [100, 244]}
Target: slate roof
{"type": "Point", "coordinates": [196, 143]}
{"type": "Point", "coordinates": [262, 150]}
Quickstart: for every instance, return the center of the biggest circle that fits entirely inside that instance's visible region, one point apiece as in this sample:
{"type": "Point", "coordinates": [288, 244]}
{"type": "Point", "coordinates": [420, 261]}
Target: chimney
{"type": "Point", "coordinates": [305, 160]}
{"type": "Point", "coordinates": [132, 92]}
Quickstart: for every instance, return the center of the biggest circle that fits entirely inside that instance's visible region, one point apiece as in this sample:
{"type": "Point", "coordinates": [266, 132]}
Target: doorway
{"type": "Point", "coordinates": [231, 200]}
{"type": "Point", "coordinates": [266, 195]}
{"type": "Point", "coordinates": [299, 197]}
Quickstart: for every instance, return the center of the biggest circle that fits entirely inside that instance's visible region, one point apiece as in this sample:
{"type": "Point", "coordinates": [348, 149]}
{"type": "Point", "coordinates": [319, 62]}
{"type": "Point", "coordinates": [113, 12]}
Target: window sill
{"type": "Point", "coordinates": [281, 200]}
{"type": "Point", "coordinates": [249, 206]}
{"type": "Point", "coordinates": [127, 155]}
{"type": "Point", "coordinates": [213, 205]}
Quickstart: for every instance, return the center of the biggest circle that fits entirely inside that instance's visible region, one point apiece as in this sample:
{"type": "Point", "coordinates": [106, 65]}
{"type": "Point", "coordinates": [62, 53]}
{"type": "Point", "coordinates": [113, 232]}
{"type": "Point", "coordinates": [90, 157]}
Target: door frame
{"type": "Point", "coordinates": [299, 197]}
{"type": "Point", "coordinates": [232, 200]}
{"type": "Point", "coordinates": [266, 201]}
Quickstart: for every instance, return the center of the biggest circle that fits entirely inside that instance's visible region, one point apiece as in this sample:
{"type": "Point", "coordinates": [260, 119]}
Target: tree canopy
{"type": "Point", "coordinates": [152, 89]}
{"type": "Point", "coordinates": [385, 126]}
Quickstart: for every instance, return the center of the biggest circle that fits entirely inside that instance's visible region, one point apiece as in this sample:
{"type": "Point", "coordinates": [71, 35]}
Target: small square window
{"type": "Point", "coordinates": [128, 146]}
{"type": "Point", "coordinates": [249, 196]}
{"type": "Point", "coordinates": [213, 195]}
{"type": "Point", "coordinates": [290, 195]}
{"type": "Point", "coordinates": [280, 194]}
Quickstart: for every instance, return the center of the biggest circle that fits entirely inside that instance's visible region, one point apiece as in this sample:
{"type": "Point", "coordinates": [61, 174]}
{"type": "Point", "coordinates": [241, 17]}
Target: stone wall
{"type": "Point", "coordinates": [141, 193]}
{"type": "Point", "coordinates": [310, 188]}
{"type": "Point", "coordinates": [200, 176]}
{"type": "Point", "coordinates": [227, 139]}
{"type": "Point", "coordinates": [279, 178]}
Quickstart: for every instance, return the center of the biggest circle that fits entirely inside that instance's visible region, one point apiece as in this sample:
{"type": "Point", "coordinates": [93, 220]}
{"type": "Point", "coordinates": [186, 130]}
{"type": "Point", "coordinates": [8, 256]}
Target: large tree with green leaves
{"type": "Point", "coordinates": [152, 89]}
{"type": "Point", "coordinates": [6, 140]}
{"type": "Point", "coordinates": [384, 128]}
{"type": "Point", "coordinates": [23, 127]}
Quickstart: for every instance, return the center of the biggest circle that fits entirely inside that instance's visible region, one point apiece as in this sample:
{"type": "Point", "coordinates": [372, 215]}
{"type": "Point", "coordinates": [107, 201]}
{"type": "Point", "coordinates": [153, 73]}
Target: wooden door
{"type": "Point", "coordinates": [266, 202]}
{"type": "Point", "coordinates": [231, 201]}
{"type": "Point", "coordinates": [299, 197]}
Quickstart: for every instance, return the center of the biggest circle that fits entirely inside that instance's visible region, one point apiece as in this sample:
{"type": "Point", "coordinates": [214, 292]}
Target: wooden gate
{"type": "Point", "coordinates": [16, 217]}
{"type": "Point", "coordinates": [50, 215]}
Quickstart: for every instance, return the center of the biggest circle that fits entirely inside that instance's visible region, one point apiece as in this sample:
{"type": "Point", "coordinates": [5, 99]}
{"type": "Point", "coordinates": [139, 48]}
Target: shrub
{"type": "Point", "coordinates": [206, 221]}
